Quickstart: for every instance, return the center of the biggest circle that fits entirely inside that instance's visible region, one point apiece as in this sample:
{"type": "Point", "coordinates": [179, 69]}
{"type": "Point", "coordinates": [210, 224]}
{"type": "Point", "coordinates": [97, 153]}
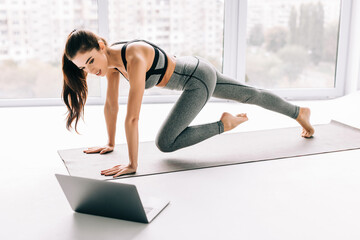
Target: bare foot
{"type": "Point", "coordinates": [231, 121]}
{"type": "Point", "coordinates": [304, 120]}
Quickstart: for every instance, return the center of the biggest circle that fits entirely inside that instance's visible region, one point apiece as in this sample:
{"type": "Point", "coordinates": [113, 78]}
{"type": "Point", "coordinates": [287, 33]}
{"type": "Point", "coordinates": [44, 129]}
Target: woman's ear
{"type": "Point", "coordinates": [101, 44]}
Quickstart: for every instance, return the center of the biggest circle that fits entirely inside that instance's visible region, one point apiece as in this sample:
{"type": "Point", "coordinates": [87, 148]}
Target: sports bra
{"type": "Point", "coordinates": [158, 68]}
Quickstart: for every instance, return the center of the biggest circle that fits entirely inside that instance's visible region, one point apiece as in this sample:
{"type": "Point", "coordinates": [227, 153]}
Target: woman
{"type": "Point", "coordinates": [145, 65]}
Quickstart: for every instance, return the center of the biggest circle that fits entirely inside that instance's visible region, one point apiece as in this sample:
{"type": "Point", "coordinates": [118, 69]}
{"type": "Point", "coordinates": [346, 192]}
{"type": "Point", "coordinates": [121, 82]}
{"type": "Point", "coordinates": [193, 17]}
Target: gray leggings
{"type": "Point", "coordinates": [199, 80]}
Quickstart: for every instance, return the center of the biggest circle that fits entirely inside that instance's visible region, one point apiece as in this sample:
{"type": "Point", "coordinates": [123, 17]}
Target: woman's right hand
{"type": "Point", "coordinates": [101, 150]}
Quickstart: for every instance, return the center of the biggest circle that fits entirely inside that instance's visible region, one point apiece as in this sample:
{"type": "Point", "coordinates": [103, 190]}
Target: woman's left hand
{"type": "Point", "coordinates": [119, 170]}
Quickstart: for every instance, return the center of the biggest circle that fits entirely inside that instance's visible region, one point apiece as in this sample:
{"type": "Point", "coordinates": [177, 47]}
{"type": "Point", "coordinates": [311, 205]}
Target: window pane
{"type": "Point", "coordinates": [32, 40]}
{"type": "Point", "coordinates": [180, 27]}
{"type": "Point", "coordinates": [292, 44]}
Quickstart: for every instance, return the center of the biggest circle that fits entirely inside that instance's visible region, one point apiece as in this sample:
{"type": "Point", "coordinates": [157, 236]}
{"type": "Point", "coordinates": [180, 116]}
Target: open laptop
{"type": "Point", "coordinates": [109, 199]}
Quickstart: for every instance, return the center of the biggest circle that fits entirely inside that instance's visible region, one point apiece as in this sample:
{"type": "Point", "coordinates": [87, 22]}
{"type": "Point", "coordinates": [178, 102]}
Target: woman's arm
{"type": "Point", "coordinates": [111, 107]}
{"type": "Point", "coordinates": [136, 69]}
{"type": "Point", "coordinates": [111, 110]}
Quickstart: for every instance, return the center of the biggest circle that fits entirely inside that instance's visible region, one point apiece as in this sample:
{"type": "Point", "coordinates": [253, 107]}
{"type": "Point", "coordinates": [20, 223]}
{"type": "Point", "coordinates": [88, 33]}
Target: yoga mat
{"type": "Point", "coordinates": [221, 150]}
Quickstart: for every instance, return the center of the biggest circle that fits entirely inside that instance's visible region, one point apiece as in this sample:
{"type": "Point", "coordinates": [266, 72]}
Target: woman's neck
{"type": "Point", "coordinates": [114, 58]}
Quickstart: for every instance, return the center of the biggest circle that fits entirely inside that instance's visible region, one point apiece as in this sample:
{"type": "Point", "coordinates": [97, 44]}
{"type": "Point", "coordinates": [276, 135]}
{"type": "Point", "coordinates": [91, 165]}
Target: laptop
{"type": "Point", "coordinates": [109, 199]}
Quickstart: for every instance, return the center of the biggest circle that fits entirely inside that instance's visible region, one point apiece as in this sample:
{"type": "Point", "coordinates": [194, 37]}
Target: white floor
{"type": "Point", "coordinates": [314, 197]}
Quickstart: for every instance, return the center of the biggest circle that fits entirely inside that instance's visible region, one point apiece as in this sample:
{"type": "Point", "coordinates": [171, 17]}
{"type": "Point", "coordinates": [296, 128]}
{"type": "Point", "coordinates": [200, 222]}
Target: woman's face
{"type": "Point", "coordinates": [94, 61]}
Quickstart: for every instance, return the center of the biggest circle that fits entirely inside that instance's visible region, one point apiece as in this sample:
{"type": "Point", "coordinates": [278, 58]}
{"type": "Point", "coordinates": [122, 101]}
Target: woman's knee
{"type": "Point", "coordinates": [163, 144]}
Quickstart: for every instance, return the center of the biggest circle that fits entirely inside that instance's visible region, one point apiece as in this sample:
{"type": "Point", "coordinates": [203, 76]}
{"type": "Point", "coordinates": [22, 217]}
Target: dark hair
{"type": "Point", "coordinates": [75, 88]}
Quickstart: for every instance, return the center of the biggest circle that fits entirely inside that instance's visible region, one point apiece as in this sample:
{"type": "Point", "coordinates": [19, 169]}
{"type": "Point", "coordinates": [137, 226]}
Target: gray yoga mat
{"type": "Point", "coordinates": [225, 149]}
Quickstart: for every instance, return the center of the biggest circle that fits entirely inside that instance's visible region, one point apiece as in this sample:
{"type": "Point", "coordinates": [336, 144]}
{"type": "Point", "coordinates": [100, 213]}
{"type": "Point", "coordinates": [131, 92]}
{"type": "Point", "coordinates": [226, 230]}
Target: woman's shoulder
{"type": "Point", "coordinates": [138, 47]}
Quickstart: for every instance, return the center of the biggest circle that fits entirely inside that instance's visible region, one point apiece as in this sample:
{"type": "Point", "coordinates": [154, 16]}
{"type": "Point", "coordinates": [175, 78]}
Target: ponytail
{"type": "Point", "coordinates": [75, 89]}
{"type": "Point", "coordinates": [74, 92]}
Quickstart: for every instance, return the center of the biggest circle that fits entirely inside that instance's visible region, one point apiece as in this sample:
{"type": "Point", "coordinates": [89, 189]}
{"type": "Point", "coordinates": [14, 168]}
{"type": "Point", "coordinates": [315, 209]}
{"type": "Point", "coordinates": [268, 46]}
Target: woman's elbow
{"type": "Point", "coordinates": [132, 120]}
{"type": "Point", "coordinates": [113, 108]}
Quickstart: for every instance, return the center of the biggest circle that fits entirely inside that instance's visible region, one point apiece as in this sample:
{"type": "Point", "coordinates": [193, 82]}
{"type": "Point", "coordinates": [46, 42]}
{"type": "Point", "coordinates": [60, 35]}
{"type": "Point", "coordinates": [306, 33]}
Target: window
{"type": "Point", "coordinates": [30, 58]}
{"type": "Point", "coordinates": [292, 44]}
{"type": "Point", "coordinates": [296, 48]}
{"type": "Point", "coordinates": [191, 18]}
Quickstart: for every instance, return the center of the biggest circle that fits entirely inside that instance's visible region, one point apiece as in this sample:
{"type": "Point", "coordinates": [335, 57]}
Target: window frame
{"type": "Point", "coordinates": [235, 18]}
{"type": "Point", "coordinates": [301, 93]}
